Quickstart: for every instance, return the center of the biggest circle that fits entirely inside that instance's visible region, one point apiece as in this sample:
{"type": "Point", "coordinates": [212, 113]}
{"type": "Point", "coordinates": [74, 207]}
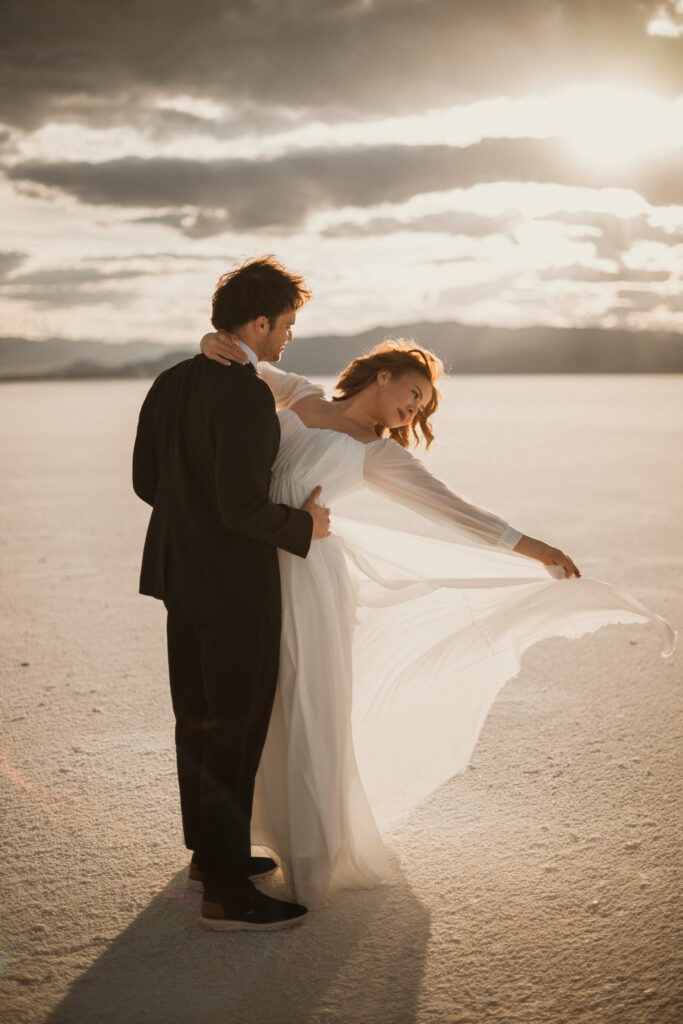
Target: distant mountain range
{"type": "Point", "coordinates": [60, 358]}
{"type": "Point", "coordinates": [463, 348]}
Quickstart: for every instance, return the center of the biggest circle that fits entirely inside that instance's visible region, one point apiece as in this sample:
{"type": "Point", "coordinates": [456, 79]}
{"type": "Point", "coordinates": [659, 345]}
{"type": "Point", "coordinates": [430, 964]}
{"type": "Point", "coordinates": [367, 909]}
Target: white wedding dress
{"type": "Point", "coordinates": [394, 646]}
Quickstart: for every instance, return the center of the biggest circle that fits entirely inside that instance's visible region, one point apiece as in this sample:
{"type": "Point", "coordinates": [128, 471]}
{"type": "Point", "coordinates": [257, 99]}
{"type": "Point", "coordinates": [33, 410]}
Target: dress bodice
{"type": "Point", "coordinates": [313, 456]}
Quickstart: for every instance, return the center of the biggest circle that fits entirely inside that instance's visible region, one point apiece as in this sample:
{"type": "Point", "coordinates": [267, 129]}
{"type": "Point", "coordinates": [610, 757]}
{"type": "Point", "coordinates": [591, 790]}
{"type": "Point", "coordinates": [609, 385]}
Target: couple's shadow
{"type": "Point", "coordinates": [361, 958]}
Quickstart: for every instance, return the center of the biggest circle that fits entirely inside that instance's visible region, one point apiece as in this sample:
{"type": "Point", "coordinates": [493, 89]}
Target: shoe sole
{"type": "Point", "coordinates": [213, 924]}
{"type": "Point", "coordinates": [198, 885]}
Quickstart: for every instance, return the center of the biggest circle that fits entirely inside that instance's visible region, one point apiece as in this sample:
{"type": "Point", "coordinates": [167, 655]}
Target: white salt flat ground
{"type": "Point", "coordinates": [541, 885]}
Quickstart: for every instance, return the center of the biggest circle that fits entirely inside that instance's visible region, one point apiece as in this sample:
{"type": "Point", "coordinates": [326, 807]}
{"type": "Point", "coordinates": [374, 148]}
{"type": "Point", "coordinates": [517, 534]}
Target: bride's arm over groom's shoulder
{"type": "Point", "coordinates": [288, 388]}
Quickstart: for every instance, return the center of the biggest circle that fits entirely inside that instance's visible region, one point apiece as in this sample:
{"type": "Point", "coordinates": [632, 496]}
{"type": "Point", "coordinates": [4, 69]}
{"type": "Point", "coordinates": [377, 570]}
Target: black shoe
{"type": "Point", "coordinates": [244, 908]}
{"type": "Point", "coordinates": [259, 867]}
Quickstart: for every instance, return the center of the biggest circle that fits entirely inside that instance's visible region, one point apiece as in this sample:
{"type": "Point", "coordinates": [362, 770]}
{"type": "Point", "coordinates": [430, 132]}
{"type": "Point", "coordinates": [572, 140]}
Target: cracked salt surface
{"type": "Point", "coordinates": [540, 886]}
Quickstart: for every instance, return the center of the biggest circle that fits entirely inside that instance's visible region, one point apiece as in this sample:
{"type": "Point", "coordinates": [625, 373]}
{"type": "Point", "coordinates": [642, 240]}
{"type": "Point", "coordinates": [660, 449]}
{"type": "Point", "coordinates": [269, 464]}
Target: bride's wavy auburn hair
{"type": "Point", "coordinates": [399, 356]}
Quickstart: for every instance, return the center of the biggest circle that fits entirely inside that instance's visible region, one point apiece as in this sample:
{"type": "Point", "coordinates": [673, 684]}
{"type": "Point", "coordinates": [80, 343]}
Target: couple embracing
{"type": "Point", "coordinates": [322, 682]}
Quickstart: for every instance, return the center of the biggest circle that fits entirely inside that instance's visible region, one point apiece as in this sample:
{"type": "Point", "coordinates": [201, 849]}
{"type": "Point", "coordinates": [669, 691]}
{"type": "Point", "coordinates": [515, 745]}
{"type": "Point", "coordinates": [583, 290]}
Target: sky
{"type": "Point", "coordinates": [487, 162]}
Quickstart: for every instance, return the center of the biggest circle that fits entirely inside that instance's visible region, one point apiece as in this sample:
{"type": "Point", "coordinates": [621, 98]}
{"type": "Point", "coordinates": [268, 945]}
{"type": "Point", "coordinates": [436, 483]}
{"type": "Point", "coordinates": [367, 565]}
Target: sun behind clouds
{"type": "Point", "coordinates": [614, 126]}
{"type": "Point", "coordinates": [495, 164]}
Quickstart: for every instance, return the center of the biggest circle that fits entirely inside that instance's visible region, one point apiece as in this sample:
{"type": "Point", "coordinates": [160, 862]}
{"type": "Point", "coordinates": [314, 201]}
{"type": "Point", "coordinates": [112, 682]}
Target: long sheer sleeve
{"type": "Point", "coordinates": [393, 472]}
{"type": "Point", "coordinates": [288, 388]}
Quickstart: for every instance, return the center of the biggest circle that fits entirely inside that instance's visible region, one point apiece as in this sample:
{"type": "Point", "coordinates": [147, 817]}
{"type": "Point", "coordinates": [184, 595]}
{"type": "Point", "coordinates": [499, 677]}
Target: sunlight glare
{"type": "Point", "coordinates": [614, 125]}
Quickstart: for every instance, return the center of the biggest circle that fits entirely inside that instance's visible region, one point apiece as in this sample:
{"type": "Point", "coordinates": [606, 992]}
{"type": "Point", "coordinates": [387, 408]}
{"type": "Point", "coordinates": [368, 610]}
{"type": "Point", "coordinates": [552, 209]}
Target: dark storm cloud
{"type": "Point", "coordinates": [246, 194]}
{"type": "Point", "coordinates": [78, 57]}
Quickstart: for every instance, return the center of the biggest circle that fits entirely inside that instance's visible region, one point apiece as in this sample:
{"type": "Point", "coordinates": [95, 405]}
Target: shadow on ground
{"type": "Point", "coordinates": [361, 958]}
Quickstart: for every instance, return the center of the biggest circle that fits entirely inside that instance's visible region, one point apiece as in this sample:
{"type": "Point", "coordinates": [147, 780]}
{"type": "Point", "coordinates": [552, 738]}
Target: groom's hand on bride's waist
{"type": "Point", "coordinates": [320, 514]}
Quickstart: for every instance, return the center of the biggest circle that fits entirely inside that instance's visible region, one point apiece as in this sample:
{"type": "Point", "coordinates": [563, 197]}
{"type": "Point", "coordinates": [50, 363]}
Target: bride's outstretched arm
{"type": "Point", "coordinates": [398, 475]}
{"type": "Point", "coordinates": [287, 388]}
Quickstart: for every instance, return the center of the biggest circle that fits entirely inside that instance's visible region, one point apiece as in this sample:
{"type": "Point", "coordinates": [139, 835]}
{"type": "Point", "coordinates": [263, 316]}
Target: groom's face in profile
{"type": "Point", "coordinates": [277, 337]}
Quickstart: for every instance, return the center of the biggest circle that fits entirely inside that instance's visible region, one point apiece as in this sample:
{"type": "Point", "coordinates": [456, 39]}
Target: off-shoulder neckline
{"type": "Point", "coordinates": [331, 430]}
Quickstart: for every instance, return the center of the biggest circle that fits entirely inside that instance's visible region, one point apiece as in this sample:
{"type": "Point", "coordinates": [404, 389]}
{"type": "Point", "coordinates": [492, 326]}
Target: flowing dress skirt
{"type": "Point", "coordinates": [394, 647]}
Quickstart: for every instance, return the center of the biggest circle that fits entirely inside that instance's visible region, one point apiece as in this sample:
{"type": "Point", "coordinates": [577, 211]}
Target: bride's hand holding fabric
{"type": "Point", "coordinates": [549, 556]}
{"type": "Point", "coordinates": [222, 347]}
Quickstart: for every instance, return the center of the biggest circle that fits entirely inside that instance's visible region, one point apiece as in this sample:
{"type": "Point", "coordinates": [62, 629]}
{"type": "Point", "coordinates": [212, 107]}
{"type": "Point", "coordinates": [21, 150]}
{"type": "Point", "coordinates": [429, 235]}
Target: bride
{"type": "Point", "coordinates": [394, 645]}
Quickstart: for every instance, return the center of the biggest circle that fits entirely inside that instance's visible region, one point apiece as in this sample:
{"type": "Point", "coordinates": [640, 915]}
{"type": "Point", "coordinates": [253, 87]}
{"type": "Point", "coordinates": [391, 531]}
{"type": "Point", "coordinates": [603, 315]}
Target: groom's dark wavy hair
{"type": "Point", "coordinates": [257, 287]}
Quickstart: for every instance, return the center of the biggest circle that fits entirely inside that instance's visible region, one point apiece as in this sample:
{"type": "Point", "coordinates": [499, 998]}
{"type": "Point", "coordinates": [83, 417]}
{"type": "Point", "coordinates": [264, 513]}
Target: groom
{"type": "Point", "coordinates": [206, 440]}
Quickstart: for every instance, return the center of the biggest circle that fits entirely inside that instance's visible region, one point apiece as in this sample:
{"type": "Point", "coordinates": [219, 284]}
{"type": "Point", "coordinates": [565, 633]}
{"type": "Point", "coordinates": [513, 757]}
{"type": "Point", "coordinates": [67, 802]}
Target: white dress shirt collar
{"type": "Point", "coordinates": [253, 358]}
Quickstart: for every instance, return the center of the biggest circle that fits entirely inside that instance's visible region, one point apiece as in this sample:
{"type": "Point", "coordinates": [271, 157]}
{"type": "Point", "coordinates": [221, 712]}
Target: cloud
{"type": "Point", "coordinates": [616, 234]}
{"type": "Point", "coordinates": [74, 298]}
{"type": "Point", "coordinates": [78, 57]}
{"type": "Point", "coordinates": [473, 225]}
{"type": "Point", "coordinates": [68, 286]}
{"type": "Point", "coordinates": [594, 275]}
{"type": "Point", "coordinates": [642, 301]}
{"type": "Point", "coordinates": [468, 295]}
{"type": "Point", "coordinates": [283, 191]}
{"type": "Point", "coordinates": [157, 259]}
{"type": "Point", "coordinates": [280, 191]}
{"type": "Point", "coordinates": [57, 277]}
{"type": "Point", "coordinates": [192, 223]}
{"type": "Point", "coordinates": [179, 92]}
{"type": "Point", "coordinates": [9, 261]}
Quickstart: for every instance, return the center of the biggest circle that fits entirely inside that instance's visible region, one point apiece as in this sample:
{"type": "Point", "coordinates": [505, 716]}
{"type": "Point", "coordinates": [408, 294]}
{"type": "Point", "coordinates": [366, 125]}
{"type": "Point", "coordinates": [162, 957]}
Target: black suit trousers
{"type": "Point", "coordinates": [223, 678]}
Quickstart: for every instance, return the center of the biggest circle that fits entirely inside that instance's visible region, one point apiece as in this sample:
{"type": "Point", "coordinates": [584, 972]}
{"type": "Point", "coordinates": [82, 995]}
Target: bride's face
{"type": "Point", "coordinates": [400, 398]}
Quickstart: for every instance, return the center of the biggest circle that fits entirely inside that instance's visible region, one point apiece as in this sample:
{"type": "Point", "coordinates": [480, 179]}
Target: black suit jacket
{"type": "Point", "coordinates": [206, 441]}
